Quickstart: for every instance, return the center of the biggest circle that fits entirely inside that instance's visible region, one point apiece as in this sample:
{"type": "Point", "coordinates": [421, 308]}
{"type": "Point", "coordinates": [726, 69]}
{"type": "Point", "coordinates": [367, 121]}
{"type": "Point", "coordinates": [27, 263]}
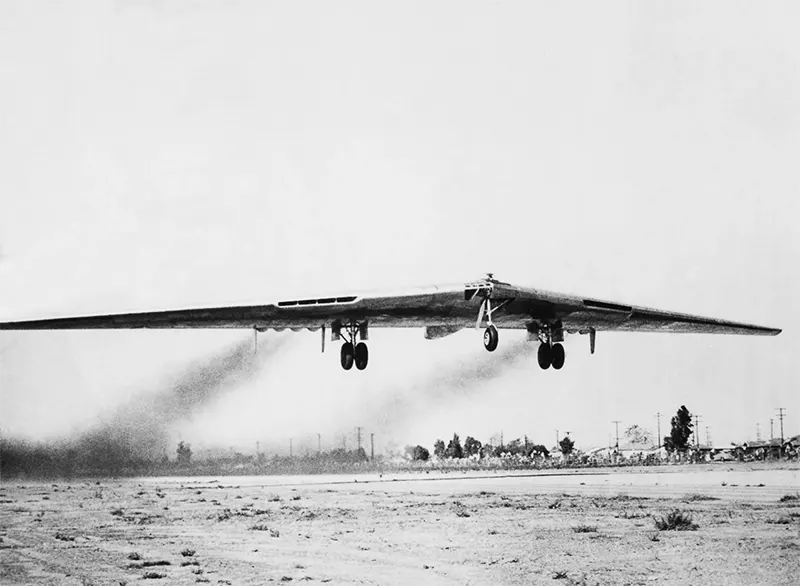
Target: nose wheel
{"type": "Point", "coordinates": [490, 338]}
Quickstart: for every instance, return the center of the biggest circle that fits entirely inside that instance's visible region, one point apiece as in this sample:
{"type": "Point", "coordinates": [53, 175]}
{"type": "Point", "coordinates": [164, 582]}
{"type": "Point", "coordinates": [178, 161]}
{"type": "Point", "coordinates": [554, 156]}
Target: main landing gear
{"type": "Point", "coordinates": [352, 352]}
{"type": "Point", "coordinates": [551, 356]}
{"type": "Point", "coordinates": [551, 352]}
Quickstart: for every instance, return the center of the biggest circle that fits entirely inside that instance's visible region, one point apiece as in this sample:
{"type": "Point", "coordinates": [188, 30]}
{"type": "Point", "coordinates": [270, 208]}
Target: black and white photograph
{"type": "Point", "coordinates": [399, 292]}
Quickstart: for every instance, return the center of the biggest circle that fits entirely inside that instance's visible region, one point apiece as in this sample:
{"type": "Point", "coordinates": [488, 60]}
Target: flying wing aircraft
{"type": "Point", "coordinates": [486, 303]}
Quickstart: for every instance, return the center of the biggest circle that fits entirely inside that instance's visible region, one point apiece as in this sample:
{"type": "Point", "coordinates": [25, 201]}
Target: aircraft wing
{"type": "Point", "coordinates": [443, 309]}
{"type": "Point", "coordinates": [488, 303]}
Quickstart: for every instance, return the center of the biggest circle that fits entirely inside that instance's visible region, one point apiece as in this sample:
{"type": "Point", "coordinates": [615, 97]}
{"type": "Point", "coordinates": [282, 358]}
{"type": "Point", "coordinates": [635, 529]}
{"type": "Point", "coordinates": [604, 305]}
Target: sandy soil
{"type": "Point", "coordinates": [458, 528]}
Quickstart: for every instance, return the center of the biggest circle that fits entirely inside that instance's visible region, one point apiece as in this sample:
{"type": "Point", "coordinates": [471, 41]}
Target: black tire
{"type": "Point", "coordinates": [491, 338]}
{"type": "Point", "coordinates": [558, 356]}
{"type": "Point", "coordinates": [545, 356]}
{"type": "Point", "coordinates": [361, 356]}
{"type": "Point", "coordinates": [347, 356]}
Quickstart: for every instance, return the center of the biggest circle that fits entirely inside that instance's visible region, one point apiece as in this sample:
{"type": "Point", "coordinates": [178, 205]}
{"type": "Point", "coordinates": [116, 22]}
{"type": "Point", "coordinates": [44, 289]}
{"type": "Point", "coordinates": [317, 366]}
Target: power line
{"type": "Point", "coordinates": [658, 418]}
{"type": "Point", "coordinates": [780, 416]}
{"type": "Point", "coordinates": [697, 430]}
{"type": "Point", "coordinates": [616, 422]}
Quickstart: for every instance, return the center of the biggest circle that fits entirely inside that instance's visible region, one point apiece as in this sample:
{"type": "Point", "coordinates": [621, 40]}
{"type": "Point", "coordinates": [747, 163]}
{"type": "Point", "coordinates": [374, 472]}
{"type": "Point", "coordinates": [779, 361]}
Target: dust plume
{"type": "Point", "coordinates": [138, 432]}
{"type": "Point", "coordinates": [452, 381]}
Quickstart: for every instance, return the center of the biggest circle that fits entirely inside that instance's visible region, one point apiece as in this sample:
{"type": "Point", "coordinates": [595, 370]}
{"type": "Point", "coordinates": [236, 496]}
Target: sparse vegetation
{"type": "Point", "coordinates": [585, 529]}
{"type": "Point", "coordinates": [460, 510]}
{"type": "Point", "coordinates": [700, 497]}
{"type": "Point", "coordinates": [559, 576]}
{"type": "Point", "coordinates": [185, 563]}
{"type": "Point", "coordinates": [153, 575]}
{"type": "Point", "coordinates": [263, 527]}
{"type": "Point", "coordinates": [790, 497]}
{"type": "Point", "coordinates": [64, 537]}
{"type": "Point", "coordinates": [187, 553]}
{"type": "Point", "coordinates": [134, 555]}
{"type": "Point", "coordinates": [675, 520]}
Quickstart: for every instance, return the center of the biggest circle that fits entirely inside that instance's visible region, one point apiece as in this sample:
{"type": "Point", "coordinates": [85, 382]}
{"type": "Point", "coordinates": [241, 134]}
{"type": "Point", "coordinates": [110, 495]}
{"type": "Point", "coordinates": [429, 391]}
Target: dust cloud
{"type": "Point", "coordinates": [138, 432]}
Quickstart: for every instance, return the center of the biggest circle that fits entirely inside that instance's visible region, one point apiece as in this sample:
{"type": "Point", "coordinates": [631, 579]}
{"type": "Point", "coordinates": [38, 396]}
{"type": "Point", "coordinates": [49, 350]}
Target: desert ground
{"type": "Point", "coordinates": [555, 527]}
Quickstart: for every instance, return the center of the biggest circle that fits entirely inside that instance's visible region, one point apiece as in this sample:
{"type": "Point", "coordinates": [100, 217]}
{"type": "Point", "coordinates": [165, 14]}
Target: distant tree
{"type": "Point", "coordinates": [535, 450]}
{"type": "Point", "coordinates": [515, 447]}
{"type": "Point", "coordinates": [454, 449]}
{"type": "Point", "coordinates": [417, 453]}
{"type": "Point", "coordinates": [184, 452]}
{"type": "Point", "coordinates": [361, 455]}
{"type": "Point", "coordinates": [638, 435]}
{"type": "Point", "coordinates": [567, 445]}
{"type": "Point", "coordinates": [438, 448]}
{"type": "Point", "coordinates": [472, 447]}
{"type": "Point", "coordinates": [678, 439]}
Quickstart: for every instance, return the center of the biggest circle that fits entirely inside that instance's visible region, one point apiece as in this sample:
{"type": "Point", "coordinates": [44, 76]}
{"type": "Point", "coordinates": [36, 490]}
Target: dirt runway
{"type": "Point", "coordinates": [571, 527]}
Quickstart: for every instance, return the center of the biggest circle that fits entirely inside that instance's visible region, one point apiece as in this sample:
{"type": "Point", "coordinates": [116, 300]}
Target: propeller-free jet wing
{"type": "Point", "coordinates": [487, 303]}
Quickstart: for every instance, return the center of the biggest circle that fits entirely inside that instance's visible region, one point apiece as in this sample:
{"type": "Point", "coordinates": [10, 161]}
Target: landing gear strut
{"type": "Point", "coordinates": [352, 352]}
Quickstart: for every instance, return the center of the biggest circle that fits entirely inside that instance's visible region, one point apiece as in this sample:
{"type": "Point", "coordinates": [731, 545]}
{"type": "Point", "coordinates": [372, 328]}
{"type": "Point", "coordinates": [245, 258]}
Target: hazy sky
{"type": "Point", "coordinates": [163, 154]}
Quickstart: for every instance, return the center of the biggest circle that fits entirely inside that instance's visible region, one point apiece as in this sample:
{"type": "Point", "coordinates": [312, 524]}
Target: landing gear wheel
{"type": "Point", "coordinates": [490, 338]}
{"type": "Point", "coordinates": [557, 352]}
{"type": "Point", "coordinates": [545, 356]}
{"type": "Point", "coordinates": [347, 356]}
{"type": "Point", "coordinates": [361, 356]}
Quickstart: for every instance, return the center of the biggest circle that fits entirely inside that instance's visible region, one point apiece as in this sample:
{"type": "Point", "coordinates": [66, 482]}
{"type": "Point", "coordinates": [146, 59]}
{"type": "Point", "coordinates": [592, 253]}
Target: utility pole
{"type": "Point", "coordinates": [616, 422]}
{"type": "Point", "coordinates": [358, 435]}
{"type": "Point", "coordinates": [501, 438]}
{"type": "Point", "coordinates": [758, 432]}
{"type": "Point", "coordinates": [319, 444]}
{"type": "Point", "coordinates": [291, 448]}
{"type": "Point", "coordinates": [372, 447]}
{"type": "Point", "coordinates": [556, 438]}
{"type": "Point", "coordinates": [771, 433]}
{"type": "Point", "coordinates": [344, 442]}
{"type": "Point", "coordinates": [708, 437]}
{"type": "Point", "coordinates": [660, 441]}
{"type": "Point", "coordinates": [780, 416]}
{"type": "Point", "coordinates": [697, 430]}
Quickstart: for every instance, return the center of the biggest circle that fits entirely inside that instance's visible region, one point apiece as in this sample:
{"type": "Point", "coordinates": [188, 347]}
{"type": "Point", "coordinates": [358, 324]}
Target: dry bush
{"type": "Point", "coordinates": [263, 527]}
{"type": "Point", "coordinates": [675, 521]}
{"type": "Point", "coordinates": [460, 510]}
{"type": "Point", "coordinates": [153, 576]}
{"type": "Point", "coordinates": [134, 555]}
{"type": "Point", "coordinates": [699, 497]}
{"type": "Point", "coordinates": [189, 563]}
{"type": "Point", "coordinates": [187, 553]}
{"type": "Point", "coordinates": [585, 529]}
{"type": "Point", "coordinates": [790, 497]}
